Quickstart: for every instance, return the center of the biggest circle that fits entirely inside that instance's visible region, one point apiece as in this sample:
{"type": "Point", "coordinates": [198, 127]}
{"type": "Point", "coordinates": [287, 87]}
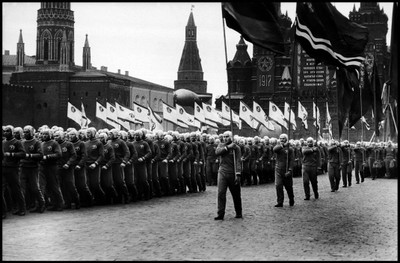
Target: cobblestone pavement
{"type": "Point", "coordinates": [356, 223]}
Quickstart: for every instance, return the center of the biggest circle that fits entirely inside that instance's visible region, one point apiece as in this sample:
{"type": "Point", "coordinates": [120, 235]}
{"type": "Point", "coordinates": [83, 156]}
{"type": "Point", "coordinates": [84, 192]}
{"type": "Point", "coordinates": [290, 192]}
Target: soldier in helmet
{"type": "Point", "coordinates": [66, 170]}
{"type": "Point", "coordinates": [335, 158]}
{"type": "Point", "coordinates": [122, 154]}
{"type": "Point", "coordinates": [30, 167]}
{"type": "Point", "coordinates": [229, 175]}
{"type": "Point", "coordinates": [13, 151]}
{"type": "Point", "coordinates": [283, 170]}
{"type": "Point", "coordinates": [311, 161]}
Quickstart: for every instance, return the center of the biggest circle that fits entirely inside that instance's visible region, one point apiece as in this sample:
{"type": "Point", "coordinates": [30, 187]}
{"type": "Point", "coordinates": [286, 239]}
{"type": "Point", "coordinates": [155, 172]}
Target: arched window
{"type": "Point", "coordinates": [137, 99]}
{"type": "Point", "coordinates": [160, 105]}
{"type": "Point", "coordinates": [143, 101]}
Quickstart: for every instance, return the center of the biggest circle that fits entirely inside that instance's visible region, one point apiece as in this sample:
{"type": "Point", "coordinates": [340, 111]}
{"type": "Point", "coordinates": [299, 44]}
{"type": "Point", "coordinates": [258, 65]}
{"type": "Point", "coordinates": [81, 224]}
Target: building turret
{"type": "Point", "coordinates": [20, 53]}
{"type": "Point", "coordinates": [53, 20]}
{"type": "Point", "coordinates": [190, 72]}
{"type": "Point", "coordinates": [86, 60]}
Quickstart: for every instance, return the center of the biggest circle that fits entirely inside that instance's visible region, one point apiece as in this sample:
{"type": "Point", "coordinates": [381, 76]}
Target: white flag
{"type": "Point", "coordinates": [101, 111]}
{"type": "Point", "coordinates": [303, 115]}
{"type": "Point", "coordinates": [198, 112]}
{"type": "Point", "coordinates": [185, 117]}
{"type": "Point", "coordinates": [328, 123]}
{"type": "Point", "coordinates": [225, 110]}
{"type": "Point", "coordinates": [74, 114]}
{"type": "Point", "coordinates": [259, 115]}
{"type": "Point", "coordinates": [141, 113]}
{"type": "Point", "coordinates": [112, 117]}
{"type": "Point", "coordinates": [363, 120]}
{"type": "Point", "coordinates": [155, 120]}
{"type": "Point", "coordinates": [246, 114]}
{"type": "Point", "coordinates": [276, 114]}
{"type": "Point", "coordinates": [84, 120]}
{"type": "Point", "coordinates": [125, 116]}
{"type": "Point", "coordinates": [292, 117]}
{"type": "Point", "coordinates": [316, 116]}
{"type": "Point", "coordinates": [171, 114]}
{"type": "Point", "coordinates": [223, 120]}
{"type": "Point", "coordinates": [210, 114]}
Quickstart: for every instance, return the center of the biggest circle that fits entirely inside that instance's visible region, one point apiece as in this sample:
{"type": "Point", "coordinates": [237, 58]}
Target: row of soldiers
{"type": "Point", "coordinates": [55, 169]}
{"type": "Point", "coordinates": [258, 159]}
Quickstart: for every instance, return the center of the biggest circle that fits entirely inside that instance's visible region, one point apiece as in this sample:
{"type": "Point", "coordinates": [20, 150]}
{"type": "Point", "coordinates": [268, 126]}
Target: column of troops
{"type": "Point", "coordinates": [55, 169]}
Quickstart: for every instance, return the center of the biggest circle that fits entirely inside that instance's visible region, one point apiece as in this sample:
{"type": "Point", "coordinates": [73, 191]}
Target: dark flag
{"type": "Point", "coordinates": [394, 52]}
{"type": "Point", "coordinates": [328, 36]}
{"type": "Point", "coordinates": [257, 22]}
{"type": "Point", "coordinates": [346, 81]}
{"type": "Point", "coordinates": [366, 101]}
{"type": "Point", "coordinates": [377, 101]}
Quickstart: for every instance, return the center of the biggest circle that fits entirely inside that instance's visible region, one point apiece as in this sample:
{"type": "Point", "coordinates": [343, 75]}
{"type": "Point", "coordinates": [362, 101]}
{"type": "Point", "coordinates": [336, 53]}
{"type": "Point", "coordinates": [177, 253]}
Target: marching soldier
{"type": "Point", "coordinates": [164, 147]}
{"type": "Point", "coordinates": [30, 167]}
{"type": "Point", "coordinates": [284, 170]}
{"type": "Point", "coordinates": [51, 153]}
{"type": "Point", "coordinates": [155, 186]}
{"type": "Point", "coordinates": [143, 154]}
{"type": "Point", "coordinates": [13, 151]}
{"type": "Point", "coordinates": [80, 168]}
{"type": "Point", "coordinates": [346, 164]}
{"type": "Point", "coordinates": [66, 170]}
{"type": "Point", "coordinates": [335, 158]}
{"type": "Point", "coordinates": [122, 154]}
{"type": "Point", "coordinates": [359, 157]}
{"type": "Point", "coordinates": [310, 163]}
{"type": "Point", "coordinates": [211, 157]}
{"type": "Point", "coordinates": [95, 156]}
{"type": "Point", "coordinates": [130, 176]}
{"type": "Point", "coordinates": [106, 174]}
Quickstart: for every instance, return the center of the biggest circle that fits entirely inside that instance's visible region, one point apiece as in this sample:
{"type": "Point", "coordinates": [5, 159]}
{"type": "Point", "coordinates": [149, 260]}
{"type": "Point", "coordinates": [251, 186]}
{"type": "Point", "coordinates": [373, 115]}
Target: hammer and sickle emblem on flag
{"type": "Point", "coordinates": [112, 109]}
{"type": "Point", "coordinates": [139, 109]}
{"type": "Point", "coordinates": [73, 109]}
{"type": "Point", "coordinates": [101, 109]}
{"type": "Point", "coordinates": [258, 109]}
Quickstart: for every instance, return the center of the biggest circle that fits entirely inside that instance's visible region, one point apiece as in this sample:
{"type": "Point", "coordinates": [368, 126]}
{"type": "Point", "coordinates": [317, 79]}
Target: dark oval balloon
{"type": "Point", "coordinates": [186, 97]}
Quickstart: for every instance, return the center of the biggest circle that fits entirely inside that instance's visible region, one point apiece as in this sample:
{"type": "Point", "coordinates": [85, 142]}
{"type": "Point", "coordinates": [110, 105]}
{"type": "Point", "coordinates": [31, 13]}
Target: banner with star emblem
{"type": "Point", "coordinates": [211, 116]}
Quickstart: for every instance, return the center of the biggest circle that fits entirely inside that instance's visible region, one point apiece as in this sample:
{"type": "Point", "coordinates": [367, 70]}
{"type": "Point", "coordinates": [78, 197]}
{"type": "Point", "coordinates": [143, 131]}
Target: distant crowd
{"type": "Point", "coordinates": [56, 169]}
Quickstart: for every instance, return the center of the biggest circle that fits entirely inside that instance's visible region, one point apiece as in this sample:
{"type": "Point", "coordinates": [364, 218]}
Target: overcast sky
{"type": "Point", "coordinates": [146, 39]}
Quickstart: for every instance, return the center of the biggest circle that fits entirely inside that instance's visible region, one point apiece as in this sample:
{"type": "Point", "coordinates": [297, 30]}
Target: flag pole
{"type": "Point", "coordinates": [229, 93]}
{"type": "Point", "coordinates": [361, 106]}
{"type": "Point", "coordinates": [316, 100]}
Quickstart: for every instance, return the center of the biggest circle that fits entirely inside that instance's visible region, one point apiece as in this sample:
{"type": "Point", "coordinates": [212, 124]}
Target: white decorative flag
{"type": "Point", "coordinates": [259, 115]}
{"type": "Point", "coordinates": [225, 109]}
{"type": "Point", "coordinates": [84, 120]}
{"type": "Point", "coordinates": [171, 114]}
{"type": "Point", "coordinates": [198, 112]}
{"type": "Point", "coordinates": [185, 117]}
{"type": "Point", "coordinates": [74, 114]}
{"type": "Point", "coordinates": [223, 120]}
{"type": "Point", "coordinates": [141, 113]}
{"type": "Point", "coordinates": [316, 116]}
{"type": "Point", "coordinates": [112, 117]}
{"type": "Point", "coordinates": [328, 123]}
{"type": "Point", "coordinates": [292, 117]}
{"type": "Point", "coordinates": [101, 112]}
{"type": "Point", "coordinates": [303, 115]}
{"type": "Point", "coordinates": [276, 114]}
{"type": "Point", "coordinates": [246, 114]}
{"type": "Point", "coordinates": [125, 116]}
{"type": "Point", "coordinates": [155, 120]}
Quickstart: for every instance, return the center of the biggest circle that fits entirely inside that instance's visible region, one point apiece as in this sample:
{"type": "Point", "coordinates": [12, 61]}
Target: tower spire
{"type": "Point", "coordinates": [20, 53]}
{"type": "Point", "coordinates": [86, 60]}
